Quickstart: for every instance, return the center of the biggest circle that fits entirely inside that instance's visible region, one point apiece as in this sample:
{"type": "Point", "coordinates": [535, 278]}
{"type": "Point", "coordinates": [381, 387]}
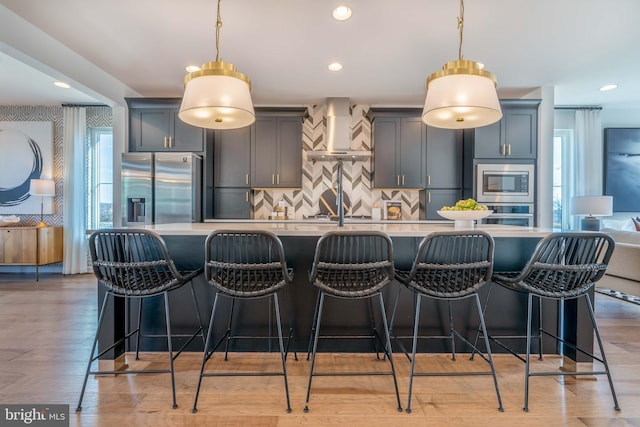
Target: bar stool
{"type": "Point", "coordinates": [135, 264]}
{"type": "Point", "coordinates": [563, 266]}
{"type": "Point", "coordinates": [451, 266]}
{"type": "Point", "coordinates": [243, 265]}
{"type": "Point", "coordinates": [352, 265]}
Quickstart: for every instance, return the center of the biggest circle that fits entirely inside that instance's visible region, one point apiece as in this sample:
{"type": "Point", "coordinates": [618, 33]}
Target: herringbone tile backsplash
{"type": "Point", "coordinates": [318, 176]}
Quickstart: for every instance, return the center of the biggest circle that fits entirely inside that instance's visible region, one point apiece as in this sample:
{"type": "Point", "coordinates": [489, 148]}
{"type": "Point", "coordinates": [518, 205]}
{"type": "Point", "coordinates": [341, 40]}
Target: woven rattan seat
{"type": "Point", "coordinates": [450, 266]}
{"type": "Point", "coordinates": [351, 265]}
{"type": "Point", "coordinates": [563, 266]}
{"type": "Point", "coordinates": [244, 265]}
{"type": "Point", "coordinates": [135, 264]}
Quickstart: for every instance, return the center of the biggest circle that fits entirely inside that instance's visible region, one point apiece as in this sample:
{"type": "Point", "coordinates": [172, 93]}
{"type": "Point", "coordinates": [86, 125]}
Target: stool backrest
{"type": "Point", "coordinates": [567, 264]}
{"type": "Point", "coordinates": [132, 262]}
{"type": "Point", "coordinates": [452, 264]}
{"type": "Point", "coordinates": [245, 263]}
{"type": "Point", "coordinates": [353, 264]}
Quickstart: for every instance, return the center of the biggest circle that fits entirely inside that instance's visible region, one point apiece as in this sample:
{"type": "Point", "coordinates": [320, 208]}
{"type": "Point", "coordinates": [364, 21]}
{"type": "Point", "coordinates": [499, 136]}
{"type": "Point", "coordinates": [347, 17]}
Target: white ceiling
{"type": "Point", "coordinates": [111, 49]}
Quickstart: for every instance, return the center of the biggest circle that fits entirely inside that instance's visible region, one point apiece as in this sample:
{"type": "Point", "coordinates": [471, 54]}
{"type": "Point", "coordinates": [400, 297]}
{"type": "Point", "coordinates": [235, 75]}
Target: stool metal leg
{"type": "Point", "coordinates": [416, 322]}
{"type": "Point", "coordinates": [93, 350]}
{"type": "Point", "coordinates": [602, 354]}
{"type": "Point", "coordinates": [388, 350]}
{"type": "Point", "coordinates": [197, 309]}
{"type": "Point", "coordinates": [282, 353]}
{"type": "Point", "coordinates": [451, 334]}
{"type": "Point", "coordinates": [528, 356]}
{"type": "Point", "coordinates": [170, 347]}
{"type": "Point", "coordinates": [489, 355]}
{"type": "Point", "coordinates": [140, 301]}
{"type": "Point", "coordinates": [205, 354]}
{"type": "Point", "coordinates": [315, 336]}
{"type": "Point", "coordinates": [226, 345]}
{"type": "Point", "coordinates": [313, 325]}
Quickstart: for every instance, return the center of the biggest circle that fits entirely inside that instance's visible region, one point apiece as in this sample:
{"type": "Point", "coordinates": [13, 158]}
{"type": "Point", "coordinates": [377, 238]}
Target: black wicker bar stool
{"type": "Point", "coordinates": [352, 265]}
{"type": "Point", "coordinates": [451, 266]}
{"type": "Point", "coordinates": [135, 264]}
{"type": "Point", "coordinates": [563, 266]}
{"type": "Point", "coordinates": [244, 265]}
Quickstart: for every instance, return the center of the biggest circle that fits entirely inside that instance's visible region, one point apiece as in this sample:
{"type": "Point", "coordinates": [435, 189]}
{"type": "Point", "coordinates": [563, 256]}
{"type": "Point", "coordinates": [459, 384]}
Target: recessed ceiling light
{"type": "Point", "coordinates": [341, 13]}
{"type": "Point", "coordinates": [608, 87]}
{"type": "Point", "coordinates": [192, 68]}
{"type": "Point", "coordinates": [62, 85]}
{"type": "Point", "coordinates": [335, 66]}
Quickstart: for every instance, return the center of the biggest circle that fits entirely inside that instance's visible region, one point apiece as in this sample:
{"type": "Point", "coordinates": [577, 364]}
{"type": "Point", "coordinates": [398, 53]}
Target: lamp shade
{"type": "Point", "coordinates": [217, 97]}
{"type": "Point", "coordinates": [592, 205]}
{"type": "Point", "coordinates": [460, 96]}
{"type": "Point", "coordinates": [42, 187]}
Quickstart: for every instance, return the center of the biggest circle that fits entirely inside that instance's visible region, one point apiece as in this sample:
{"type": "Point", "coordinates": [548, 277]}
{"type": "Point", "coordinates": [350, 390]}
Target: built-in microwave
{"type": "Point", "coordinates": [505, 183]}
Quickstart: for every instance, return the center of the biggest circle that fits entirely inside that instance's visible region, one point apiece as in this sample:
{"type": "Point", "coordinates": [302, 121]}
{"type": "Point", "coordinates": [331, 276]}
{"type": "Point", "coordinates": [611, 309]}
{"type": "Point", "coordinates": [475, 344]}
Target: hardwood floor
{"type": "Point", "coordinates": [47, 327]}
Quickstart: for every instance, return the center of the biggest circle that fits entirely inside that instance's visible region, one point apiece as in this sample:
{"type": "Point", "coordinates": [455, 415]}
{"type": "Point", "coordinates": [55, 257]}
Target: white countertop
{"type": "Point", "coordinates": [317, 228]}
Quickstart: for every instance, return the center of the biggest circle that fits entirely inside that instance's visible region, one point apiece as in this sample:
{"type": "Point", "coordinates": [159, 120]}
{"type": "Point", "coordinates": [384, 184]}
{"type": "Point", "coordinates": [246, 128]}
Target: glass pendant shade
{"type": "Point", "coordinates": [217, 97]}
{"type": "Point", "coordinates": [460, 96]}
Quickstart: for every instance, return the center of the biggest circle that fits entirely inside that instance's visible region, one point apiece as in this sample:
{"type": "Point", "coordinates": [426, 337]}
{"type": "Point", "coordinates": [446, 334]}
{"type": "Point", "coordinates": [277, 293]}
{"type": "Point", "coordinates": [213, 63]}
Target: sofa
{"type": "Point", "coordinates": [623, 273]}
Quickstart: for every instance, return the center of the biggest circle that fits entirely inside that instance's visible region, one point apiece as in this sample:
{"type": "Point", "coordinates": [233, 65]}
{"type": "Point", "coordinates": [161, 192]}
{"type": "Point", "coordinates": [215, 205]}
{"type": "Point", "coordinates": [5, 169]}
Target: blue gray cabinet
{"type": "Point", "coordinates": [232, 158]}
{"type": "Point", "coordinates": [515, 136]}
{"type": "Point", "coordinates": [231, 203]}
{"type": "Point", "coordinates": [436, 199]}
{"type": "Point", "coordinates": [276, 151]}
{"type": "Point", "coordinates": [154, 125]}
{"type": "Point", "coordinates": [444, 158]}
{"type": "Point", "coordinates": [400, 150]}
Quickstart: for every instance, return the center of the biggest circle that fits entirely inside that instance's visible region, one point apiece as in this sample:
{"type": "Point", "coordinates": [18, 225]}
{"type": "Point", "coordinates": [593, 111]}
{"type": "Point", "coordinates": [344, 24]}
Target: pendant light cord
{"type": "Point", "coordinates": [219, 25]}
{"type": "Point", "coordinates": [460, 27]}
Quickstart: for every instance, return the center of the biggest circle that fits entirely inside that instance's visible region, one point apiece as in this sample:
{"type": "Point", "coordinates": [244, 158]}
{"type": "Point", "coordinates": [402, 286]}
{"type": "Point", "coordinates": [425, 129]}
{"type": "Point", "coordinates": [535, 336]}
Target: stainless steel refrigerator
{"type": "Point", "coordinates": [161, 188]}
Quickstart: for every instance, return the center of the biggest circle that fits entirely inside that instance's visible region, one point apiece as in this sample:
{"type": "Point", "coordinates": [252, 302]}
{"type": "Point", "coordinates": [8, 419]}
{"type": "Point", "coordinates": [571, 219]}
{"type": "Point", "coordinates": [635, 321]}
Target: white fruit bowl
{"type": "Point", "coordinates": [6, 221]}
{"type": "Point", "coordinates": [465, 219]}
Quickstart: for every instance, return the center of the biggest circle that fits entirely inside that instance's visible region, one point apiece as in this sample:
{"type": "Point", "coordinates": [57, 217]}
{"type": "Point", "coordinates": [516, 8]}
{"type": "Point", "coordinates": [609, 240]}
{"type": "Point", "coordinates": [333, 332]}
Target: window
{"type": "Point", "coordinates": [561, 181]}
{"type": "Point", "coordinates": [100, 178]}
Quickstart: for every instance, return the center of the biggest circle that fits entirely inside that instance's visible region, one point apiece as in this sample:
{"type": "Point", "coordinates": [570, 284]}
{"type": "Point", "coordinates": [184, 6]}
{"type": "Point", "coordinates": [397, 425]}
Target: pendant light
{"type": "Point", "coordinates": [217, 96]}
{"type": "Point", "coordinates": [462, 95]}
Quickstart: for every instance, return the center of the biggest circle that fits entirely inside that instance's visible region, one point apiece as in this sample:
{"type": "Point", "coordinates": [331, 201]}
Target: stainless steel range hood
{"type": "Point", "coordinates": [338, 136]}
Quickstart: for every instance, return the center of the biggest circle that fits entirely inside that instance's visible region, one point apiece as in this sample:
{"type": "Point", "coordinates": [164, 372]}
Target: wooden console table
{"type": "Point", "coordinates": [30, 246]}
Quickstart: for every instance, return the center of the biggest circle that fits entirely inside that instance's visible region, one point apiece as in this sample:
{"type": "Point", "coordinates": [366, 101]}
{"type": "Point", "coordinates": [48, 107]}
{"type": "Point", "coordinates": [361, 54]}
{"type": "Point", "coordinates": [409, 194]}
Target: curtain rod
{"type": "Point", "coordinates": [577, 107]}
{"type": "Point", "coordinates": [84, 105]}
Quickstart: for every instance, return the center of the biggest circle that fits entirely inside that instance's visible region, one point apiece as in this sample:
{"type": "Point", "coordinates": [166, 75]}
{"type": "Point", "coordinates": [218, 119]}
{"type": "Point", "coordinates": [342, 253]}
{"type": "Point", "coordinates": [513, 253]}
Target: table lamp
{"type": "Point", "coordinates": [42, 188]}
{"type": "Point", "coordinates": [591, 207]}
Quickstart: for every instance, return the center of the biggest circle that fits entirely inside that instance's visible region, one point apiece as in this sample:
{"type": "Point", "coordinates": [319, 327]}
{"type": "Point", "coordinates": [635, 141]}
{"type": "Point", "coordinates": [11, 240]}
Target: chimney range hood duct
{"type": "Point", "coordinates": [338, 136]}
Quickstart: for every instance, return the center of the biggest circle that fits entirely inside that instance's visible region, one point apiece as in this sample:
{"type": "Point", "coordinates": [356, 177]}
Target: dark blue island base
{"type": "Point", "coordinates": [506, 315]}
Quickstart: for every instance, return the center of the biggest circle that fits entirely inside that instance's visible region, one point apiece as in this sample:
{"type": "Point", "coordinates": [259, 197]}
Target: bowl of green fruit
{"type": "Point", "coordinates": [465, 212]}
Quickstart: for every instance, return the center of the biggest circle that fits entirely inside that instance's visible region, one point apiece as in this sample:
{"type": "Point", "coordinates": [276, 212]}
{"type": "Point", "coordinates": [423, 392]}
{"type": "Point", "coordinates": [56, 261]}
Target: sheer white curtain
{"type": "Point", "coordinates": [582, 170]}
{"type": "Point", "coordinates": [74, 197]}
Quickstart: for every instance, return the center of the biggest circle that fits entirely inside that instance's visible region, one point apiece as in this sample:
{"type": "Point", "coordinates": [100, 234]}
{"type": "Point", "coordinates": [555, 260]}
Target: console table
{"type": "Point", "coordinates": [30, 246]}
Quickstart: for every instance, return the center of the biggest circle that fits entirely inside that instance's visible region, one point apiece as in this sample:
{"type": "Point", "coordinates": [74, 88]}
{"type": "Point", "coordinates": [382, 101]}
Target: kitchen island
{"type": "Point", "coordinates": [505, 315]}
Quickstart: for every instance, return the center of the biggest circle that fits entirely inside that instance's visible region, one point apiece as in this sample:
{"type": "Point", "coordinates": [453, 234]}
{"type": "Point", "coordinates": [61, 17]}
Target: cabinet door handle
{"type": "Point", "coordinates": [429, 197]}
{"type": "Point", "coordinates": [429, 180]}
{"type": "Point", "coordinates": [246, 196]}
{"type": "Point", "coordinates": [273, 179]}
{"type": "Point", "coordinates": [397, 179]}
{"type": "Point", "coordinates": [278, 179]}
{"type": "Point", "coordinates": [171, 145]}
{"type": "Point", "coordinates": [402, 179]}
{"type": "Point", "coordinates": [502, 149]}
{"type": "Point", "coordinates": [165, 142]}
{"type": "Point", "coordinates": [508, 149]}
{"type": "Point", "coordinates": [246, 179]}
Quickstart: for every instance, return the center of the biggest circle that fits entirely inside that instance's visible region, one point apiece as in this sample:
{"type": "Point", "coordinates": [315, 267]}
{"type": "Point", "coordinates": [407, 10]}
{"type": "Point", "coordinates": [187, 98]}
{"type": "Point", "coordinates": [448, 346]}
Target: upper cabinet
{"type": "Point", "coordinates": [154, 125]}
{"type": "Point", "coordinates": [276, 150]}
{"type": "Point", "coordinates": [515, 136]}
{"type": "Point", "coordinates": [399, 144]}
{"type": "Point", "coordinates": [444, 158]}
{"type": "Point", "coordinates": [232, 158]}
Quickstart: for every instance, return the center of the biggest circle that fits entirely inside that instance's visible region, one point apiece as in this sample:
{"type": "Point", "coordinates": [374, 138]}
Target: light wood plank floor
{"type": "Point", "coordinates": [46, 330]}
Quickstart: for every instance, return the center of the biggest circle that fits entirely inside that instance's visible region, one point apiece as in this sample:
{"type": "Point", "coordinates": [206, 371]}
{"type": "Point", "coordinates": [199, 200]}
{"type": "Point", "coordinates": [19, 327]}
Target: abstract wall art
{"type": "Point", "coordinates": [26, 152]}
